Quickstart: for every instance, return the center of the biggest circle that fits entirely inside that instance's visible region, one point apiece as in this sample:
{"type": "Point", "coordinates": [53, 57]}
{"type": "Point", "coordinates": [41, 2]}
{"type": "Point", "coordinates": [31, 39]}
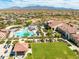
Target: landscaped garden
{"type": "Point", "coordinates": [14, 42]}
{"type": "Point", "coordinates": [8, 42]}
{"type": "Point", "coordinates": [11, 58]}
{"type": "Point", "coordinates": [2, 41]}
{"type": "Point", "coordinates": [56, 50]}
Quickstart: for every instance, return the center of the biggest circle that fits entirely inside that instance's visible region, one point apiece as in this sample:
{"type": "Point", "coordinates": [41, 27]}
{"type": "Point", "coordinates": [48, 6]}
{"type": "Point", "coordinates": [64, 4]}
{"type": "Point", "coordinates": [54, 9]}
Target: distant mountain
{"type": "Point", "coordinates": [41, 7]}
{"type": "Point", "coordinates": [15, 7]}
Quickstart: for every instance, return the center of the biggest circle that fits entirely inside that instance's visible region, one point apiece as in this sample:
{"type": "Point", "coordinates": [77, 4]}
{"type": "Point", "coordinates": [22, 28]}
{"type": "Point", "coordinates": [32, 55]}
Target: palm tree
{"type": "Point", "coordinates": [49, 34]}
{"type": "Point", "coordinates": [2, 25]}
{"type": "Point", "coordinates": [42, 37]}
{"type": "Point", "coordinates": [57, 35]}
{"type": "Point", "coordinates": [42, 34]}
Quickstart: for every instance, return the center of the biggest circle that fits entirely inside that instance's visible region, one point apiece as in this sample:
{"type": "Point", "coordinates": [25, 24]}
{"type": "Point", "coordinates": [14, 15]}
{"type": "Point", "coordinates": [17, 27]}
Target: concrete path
{"type": "Point", "coordinates": [73, 47]}
{"type": "Point", "coordinates": [13, 26]}
{"type": "Point", "coordinates": [29, 51]}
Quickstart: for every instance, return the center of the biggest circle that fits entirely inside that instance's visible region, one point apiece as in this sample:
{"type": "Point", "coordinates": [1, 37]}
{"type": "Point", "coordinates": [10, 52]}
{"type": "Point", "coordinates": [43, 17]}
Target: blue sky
{"type": "Point", "coordinates": [56, 3]}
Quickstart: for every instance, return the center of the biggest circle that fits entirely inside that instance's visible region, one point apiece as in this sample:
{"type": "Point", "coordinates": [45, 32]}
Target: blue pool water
{"type": "Point", "coordinates": [24, 33]}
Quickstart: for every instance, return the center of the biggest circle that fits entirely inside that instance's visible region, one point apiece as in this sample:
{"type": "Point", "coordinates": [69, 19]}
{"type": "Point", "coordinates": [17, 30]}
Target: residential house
{"type": "Point", "coordinates": [3, 33]}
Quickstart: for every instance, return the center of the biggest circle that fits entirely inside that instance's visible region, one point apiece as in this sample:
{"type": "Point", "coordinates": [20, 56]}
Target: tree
{"type": "Point", "coordinates": [58, 35]}
{"type": "Point", "coordinates": [46, 26]}
{"type": "Point", "coordinates": [42, 37]}
{"type": "Point", "coordinates": [9, 22]}
{"type": "Point", "coordinates": [42, 34]}
{"type": "Point", "coordinates": [49, 34]}
{"type": "Point", "coordinates": [28, 22]}
{"type": "Point", "coordinates": [17, 22]}
{"type": "Point", "coordinates": [2, 25]}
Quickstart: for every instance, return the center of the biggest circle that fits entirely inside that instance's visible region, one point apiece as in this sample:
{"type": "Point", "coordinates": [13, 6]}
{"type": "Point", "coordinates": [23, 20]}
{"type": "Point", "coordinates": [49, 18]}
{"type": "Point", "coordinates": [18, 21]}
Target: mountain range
{"type": "Point", "coordinates": [41, 7]}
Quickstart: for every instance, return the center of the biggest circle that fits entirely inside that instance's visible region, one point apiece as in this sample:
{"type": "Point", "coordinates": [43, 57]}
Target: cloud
{"type": "Point", "coordinates": [24, 3]}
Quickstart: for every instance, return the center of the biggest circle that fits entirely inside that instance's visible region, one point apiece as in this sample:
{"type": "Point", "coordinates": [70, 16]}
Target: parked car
{"type": "Point", "coordinates": [6, 51]}
{"type": "Point", "coordinates": [8, 46]}
{"type": "Point", "coordinates": [2, 57]}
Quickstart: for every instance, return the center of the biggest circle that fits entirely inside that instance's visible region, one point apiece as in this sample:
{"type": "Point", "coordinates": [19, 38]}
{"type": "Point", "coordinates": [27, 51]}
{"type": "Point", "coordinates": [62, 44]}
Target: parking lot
{"type": "Point", "coordinates": [5, 51]}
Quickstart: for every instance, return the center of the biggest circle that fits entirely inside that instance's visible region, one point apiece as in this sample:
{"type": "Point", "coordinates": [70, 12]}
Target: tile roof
{"type": "Point", "coordinates": [3, 33]}
{"type": "Point", "coordinates": [21, 47]}
{"type": "Point", "coordinates": [76, 36]}
{"type": "Point", "coordinates": [54, 23]}
{"type": "Point", "coordinates": [68, 28]}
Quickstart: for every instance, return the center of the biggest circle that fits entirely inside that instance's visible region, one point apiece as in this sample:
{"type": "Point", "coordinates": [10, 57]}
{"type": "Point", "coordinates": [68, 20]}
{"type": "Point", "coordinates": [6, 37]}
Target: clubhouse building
{"type": "Point", "coordinates": [67, 30]}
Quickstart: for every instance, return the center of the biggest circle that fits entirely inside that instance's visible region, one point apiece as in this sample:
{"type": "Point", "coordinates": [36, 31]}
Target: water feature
{"type": "Point", "coordinates": [25, 32]}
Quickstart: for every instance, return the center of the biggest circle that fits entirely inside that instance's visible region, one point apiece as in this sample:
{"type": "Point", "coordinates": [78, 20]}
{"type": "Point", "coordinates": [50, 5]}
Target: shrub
{"type": "Point", "coordinates": [14, 42]}
{"type": "Point", "coordinates": [8, 42]}
{"type": "Point", "coordinates": [1, 42]}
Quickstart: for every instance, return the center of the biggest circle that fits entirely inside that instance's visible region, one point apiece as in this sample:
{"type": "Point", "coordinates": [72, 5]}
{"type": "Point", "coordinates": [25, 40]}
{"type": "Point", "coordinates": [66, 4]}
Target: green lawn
{"type": "Point", "coordinates": [57, 50]}
{"type": "Point", "coordinates": [11, 58]}
{"type": "Point", "coordinates": [29, 56]}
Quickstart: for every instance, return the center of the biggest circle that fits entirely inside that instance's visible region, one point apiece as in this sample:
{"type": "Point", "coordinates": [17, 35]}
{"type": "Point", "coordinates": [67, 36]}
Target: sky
{"type": "Point", "coordinates": [52, 3]}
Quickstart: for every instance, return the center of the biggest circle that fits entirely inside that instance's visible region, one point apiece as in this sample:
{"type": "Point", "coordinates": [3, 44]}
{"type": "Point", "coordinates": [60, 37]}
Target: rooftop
{"type": "Point", "coordinates": [19, 47]}
{"type": "Point", "coordinates": [3, 33]}
{"type": "Point", "coordinates": [54, 23]}
{"type": "Point", "coordinates": [76, 36]}
{"type": "Point", "coordinates": [68, 28]}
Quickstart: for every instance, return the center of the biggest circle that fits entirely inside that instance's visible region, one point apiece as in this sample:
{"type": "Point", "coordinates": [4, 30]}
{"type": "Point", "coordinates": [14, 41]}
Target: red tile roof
{"type": "Point", "coordinates": [68, 28]}
{"type": "Point", "coordinates": [21, 47]}
{"type": "Point", "coordinates": [54, 23]}
{"type": "Point", "coordinates": [62, 25]}
{"type": "Point", "coordinates": [76, 36]}
{"type": "Point", "coordinates": [3, 33]}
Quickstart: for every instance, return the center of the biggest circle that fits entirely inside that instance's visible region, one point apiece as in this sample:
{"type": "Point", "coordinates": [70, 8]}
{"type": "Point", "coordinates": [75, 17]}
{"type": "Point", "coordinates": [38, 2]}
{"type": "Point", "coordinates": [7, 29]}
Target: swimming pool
{"type": "Point", "coordinates": [24, 33]}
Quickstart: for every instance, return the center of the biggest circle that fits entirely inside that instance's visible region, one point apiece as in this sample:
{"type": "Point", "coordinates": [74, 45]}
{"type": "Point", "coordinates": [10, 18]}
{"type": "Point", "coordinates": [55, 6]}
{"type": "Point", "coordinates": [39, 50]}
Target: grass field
{"type": "Point", "coordinates": [57, 50]}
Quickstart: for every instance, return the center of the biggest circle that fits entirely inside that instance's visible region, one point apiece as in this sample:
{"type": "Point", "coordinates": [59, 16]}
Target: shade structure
{"type": "Point", "coordinates": [20, 47]}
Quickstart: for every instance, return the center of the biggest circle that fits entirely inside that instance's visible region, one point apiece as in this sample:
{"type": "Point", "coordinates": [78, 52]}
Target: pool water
{"type": "Point", "coordinates": [24, 33]}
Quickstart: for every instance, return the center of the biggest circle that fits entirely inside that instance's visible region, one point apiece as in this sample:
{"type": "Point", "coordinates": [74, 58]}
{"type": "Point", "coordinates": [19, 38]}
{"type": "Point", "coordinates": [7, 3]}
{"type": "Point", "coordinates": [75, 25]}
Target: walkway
{"type": "Point", "coordinates": [29, 51]}
{"type": "Point", "coordinates": [9, 27]}
{"type": "Point", "coordinates": [73, 46]}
